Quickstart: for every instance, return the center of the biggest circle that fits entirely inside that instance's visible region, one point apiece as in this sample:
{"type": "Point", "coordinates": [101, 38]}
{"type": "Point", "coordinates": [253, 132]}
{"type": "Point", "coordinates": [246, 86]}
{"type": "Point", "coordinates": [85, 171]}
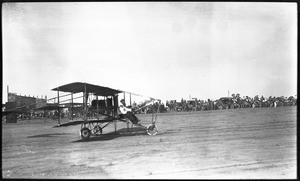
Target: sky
{"type": "Point", "coordinates": [165, 50]}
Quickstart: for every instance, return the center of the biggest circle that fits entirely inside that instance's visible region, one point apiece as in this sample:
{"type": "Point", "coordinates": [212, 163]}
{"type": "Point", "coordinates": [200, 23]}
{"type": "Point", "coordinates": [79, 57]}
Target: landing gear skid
{"type": "Point", "coordinates": [89, 129]}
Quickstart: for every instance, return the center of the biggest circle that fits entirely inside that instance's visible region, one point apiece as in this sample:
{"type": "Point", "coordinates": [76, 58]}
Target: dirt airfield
{"type": "Point", "coordinates": [248, 143]}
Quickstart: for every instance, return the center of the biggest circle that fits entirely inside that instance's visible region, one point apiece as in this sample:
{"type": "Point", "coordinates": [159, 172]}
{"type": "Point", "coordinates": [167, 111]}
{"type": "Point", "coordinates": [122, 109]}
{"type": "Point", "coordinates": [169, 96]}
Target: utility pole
{"type": "Point", "coordinates": [130, 98]}
{"type": "Point", "coordinates": [58, 110]}
{"type": "Point", "coordinates": [7, 92]}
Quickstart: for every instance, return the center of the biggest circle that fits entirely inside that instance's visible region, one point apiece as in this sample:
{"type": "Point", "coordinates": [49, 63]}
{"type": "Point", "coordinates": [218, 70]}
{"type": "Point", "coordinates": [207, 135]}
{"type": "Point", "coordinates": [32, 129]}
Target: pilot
{"type": "Point", "coordinates": [127, 113]}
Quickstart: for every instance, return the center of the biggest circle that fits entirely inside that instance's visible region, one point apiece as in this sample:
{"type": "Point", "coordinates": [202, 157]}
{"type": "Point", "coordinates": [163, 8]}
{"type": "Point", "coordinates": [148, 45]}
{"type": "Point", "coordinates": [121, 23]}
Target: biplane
{"type": "Point", "coordinates": [107, 107]}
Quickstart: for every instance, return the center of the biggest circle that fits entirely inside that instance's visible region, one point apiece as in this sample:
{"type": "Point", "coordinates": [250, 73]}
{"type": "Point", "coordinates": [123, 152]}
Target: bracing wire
{"type": "Point", "coordinates": [151, 98]}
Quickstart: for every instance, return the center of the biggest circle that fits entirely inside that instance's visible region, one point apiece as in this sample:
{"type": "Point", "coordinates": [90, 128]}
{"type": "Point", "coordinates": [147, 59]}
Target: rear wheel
{"type": "Point", "coordinates": [85, 133]}
{"type": "Point", "coordinates": [152, 129]}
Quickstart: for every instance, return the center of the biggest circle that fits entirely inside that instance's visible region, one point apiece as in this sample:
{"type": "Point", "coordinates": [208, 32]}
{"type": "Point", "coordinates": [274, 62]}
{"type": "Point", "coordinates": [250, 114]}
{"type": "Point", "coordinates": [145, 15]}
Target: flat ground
{"type": "Point", "coordinates": [257, 143]}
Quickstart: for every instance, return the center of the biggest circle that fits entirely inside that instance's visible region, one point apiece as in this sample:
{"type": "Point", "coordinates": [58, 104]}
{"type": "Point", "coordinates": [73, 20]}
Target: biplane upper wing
{"type": "Point", "coordinates": [77, 87]}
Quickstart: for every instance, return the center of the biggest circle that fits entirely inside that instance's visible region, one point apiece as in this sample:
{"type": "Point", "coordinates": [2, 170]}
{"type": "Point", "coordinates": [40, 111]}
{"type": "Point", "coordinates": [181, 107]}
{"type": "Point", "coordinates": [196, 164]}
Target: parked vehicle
{"type": "Point", "coordinates": [225, 103]}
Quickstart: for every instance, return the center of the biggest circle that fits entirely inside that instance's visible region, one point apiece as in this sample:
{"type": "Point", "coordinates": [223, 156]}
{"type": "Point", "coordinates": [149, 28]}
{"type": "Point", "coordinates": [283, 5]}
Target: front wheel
{"type": "Point", "coordinates": [85, 133]}
{"type": "Point", "coordinates": [152, 129]}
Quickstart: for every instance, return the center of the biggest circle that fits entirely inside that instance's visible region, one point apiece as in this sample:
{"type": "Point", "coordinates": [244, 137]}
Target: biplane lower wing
{"type": "Point", "coordinates": [95, 126]}
{"type": "Point", "coordinates": [72, 123]}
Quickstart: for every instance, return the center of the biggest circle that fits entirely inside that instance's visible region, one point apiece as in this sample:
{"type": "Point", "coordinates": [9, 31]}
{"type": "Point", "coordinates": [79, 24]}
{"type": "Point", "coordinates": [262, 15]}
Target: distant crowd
{"type": "Point", "coordinates": [233, 102]}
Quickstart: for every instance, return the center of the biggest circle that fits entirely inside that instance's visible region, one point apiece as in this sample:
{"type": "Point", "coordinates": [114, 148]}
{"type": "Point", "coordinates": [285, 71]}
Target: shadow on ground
{"type": "Point", "coordinates": [68, 124]}
{"type": "Point", "coordinates": [113, 135]}
{"type": "Point", "coordinates": [48, 135]}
